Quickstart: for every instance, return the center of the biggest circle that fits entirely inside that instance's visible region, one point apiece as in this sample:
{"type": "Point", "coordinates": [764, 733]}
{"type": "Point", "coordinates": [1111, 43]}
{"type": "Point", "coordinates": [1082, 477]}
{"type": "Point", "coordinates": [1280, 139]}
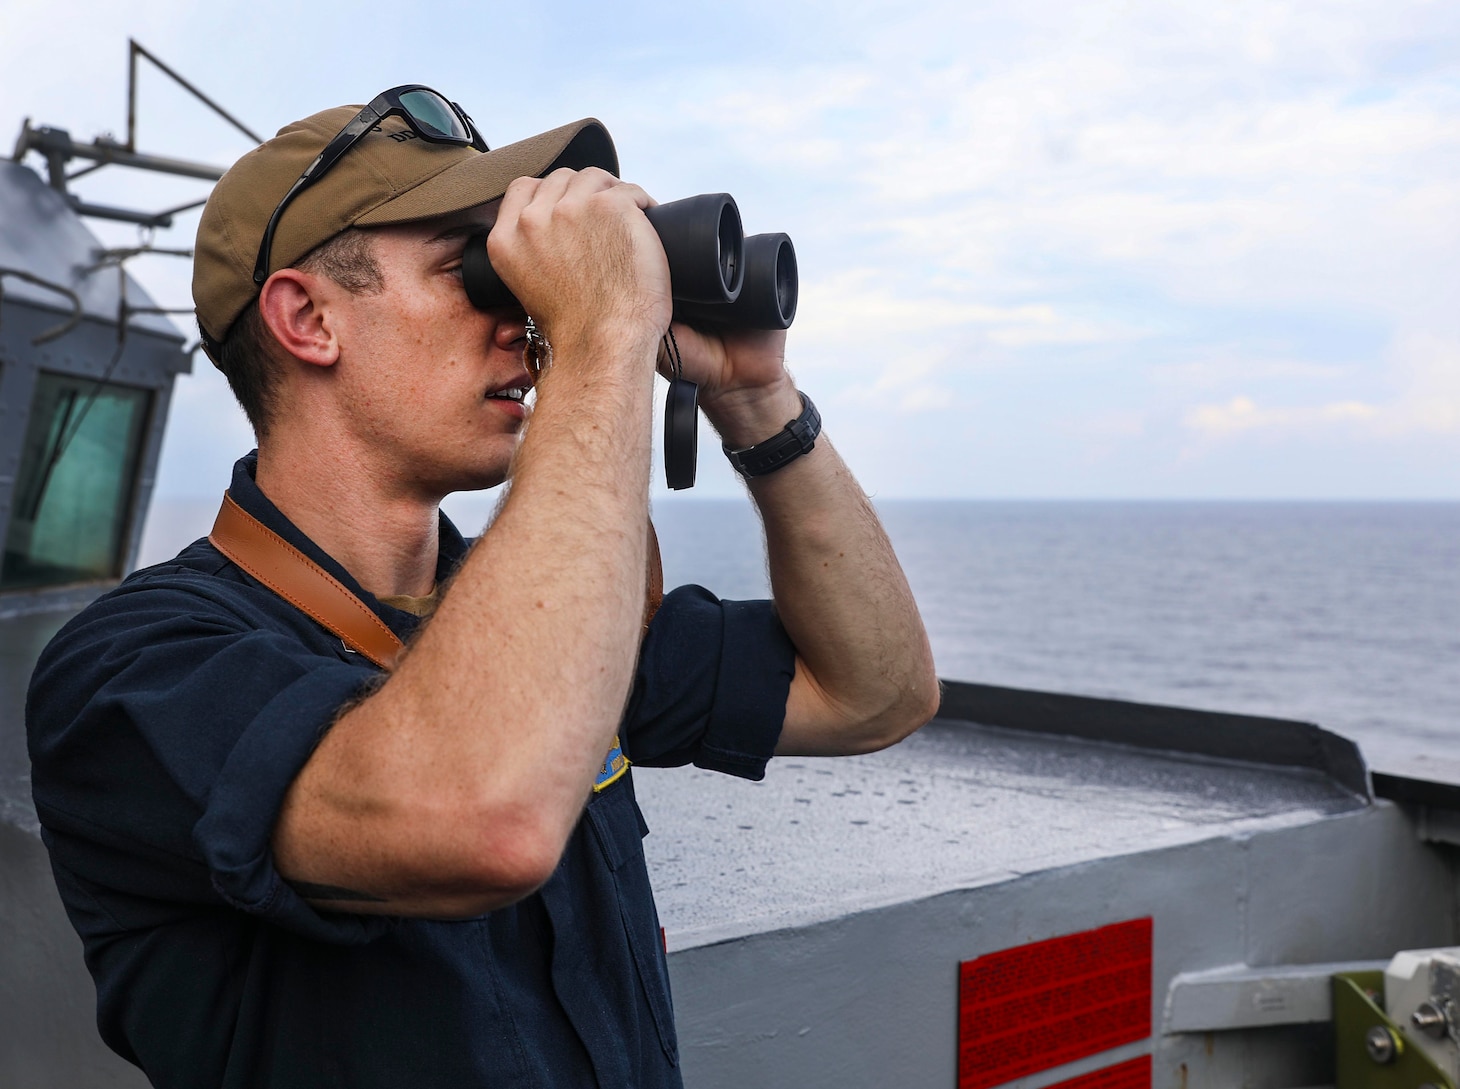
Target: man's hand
{"type": "Point", "coordinates": [577, 251]}
{"type": "Point", "coordinates": [729, 360]}
{"type": "Point", "coordinates": [745, 390]}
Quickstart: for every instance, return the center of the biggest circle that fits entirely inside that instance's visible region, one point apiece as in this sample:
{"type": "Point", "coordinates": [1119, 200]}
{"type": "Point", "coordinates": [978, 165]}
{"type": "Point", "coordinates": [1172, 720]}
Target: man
{"type": "Point", "coordinates": [291, 869]}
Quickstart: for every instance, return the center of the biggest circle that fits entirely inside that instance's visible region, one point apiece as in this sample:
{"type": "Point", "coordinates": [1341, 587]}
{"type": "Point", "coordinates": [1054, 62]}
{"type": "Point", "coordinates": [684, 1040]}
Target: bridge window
{"type": "Point", "coordinates": [69, 514]}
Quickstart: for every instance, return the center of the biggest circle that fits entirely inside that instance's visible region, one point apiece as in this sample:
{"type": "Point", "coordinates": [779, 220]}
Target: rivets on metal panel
{"type": "Point", "coordinates": [1382, 1044]}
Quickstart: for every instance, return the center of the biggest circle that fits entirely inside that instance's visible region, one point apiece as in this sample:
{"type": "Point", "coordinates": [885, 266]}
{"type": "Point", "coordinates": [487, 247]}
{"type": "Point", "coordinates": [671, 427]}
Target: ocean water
{"type": "Point", "coordinates": [1344, 614]}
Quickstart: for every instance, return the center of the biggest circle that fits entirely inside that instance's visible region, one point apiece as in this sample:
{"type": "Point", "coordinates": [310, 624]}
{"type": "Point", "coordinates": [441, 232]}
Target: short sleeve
{"type": "Point", "coordinates": [167, 728]}
{"type": "Point", "coordinates": [711, 685]}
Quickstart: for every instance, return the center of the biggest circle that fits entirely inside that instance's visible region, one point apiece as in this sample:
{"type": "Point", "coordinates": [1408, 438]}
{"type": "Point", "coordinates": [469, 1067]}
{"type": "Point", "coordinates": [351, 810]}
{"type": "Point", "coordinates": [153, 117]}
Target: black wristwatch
{"type": "Point", "coordinates": [785, 446]}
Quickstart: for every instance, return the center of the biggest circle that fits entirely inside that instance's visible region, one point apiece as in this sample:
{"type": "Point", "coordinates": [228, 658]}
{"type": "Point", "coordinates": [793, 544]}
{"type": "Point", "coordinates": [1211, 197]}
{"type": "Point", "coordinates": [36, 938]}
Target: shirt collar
{"type": "Point", "coordinates": [451, 546]}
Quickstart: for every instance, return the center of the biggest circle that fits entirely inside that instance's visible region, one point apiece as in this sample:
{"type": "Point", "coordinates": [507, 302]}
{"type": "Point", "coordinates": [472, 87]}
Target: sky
{"type": "Point", "coordinates": [1048, 249]}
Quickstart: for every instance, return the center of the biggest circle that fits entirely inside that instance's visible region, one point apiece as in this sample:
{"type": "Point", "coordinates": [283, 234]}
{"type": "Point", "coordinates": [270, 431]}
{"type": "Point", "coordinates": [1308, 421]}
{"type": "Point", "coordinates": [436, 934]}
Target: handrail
{"type": "Point", "coordinates": [71, 296]}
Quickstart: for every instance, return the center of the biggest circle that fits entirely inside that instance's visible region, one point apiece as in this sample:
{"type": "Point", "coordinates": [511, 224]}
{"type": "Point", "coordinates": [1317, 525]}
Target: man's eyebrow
{"type": "Point", "coordinates": [452, 234]}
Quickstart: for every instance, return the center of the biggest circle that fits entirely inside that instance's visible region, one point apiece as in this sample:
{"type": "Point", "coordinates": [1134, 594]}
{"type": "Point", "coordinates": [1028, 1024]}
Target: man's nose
{"type": "Point", "coordinates": [511, 331]}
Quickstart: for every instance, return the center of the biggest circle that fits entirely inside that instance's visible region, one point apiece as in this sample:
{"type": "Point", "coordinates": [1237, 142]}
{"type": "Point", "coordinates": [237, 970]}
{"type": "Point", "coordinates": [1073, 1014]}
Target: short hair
{"type": "Point", "coordinates": [248, 356]}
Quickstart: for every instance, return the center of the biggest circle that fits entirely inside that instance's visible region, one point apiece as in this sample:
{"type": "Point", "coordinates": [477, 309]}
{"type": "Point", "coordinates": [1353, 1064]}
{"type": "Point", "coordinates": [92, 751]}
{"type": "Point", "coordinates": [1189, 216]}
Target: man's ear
{"type": "Point", "coordinates": [291, 304]}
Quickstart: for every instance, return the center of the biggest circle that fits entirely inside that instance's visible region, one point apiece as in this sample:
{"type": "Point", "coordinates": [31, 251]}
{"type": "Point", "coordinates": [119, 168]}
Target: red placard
{"type": "Point", "coordinates": [1042, 1005]}
{"type": "Point", "coordinates": [1134, 1074]}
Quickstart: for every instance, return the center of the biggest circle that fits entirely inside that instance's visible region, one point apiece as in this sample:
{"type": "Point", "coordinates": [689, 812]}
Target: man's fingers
{"type": "Point", "coordinates": [702, 355]}
{"type": "Point", "coordinates": [585, 183]}
{"type": "Point", "coordinates": [577, 243]}
{"type": "Point", "coordinates": [662, 361]}
{"type": "Point", "coordinates": [594, 179]}
{"type": "Point", "coordinates": [530, 197]}
{"type": "Point", "coordinates": [641, 198]}
{"type": "Point", "coordinates": [517, 196]}
{"type": "Point", "coordinates": [552, 188]}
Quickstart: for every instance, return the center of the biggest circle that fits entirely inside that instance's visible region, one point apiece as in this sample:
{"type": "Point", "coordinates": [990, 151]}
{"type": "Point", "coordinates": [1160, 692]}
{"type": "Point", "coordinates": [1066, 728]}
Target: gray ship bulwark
{"type": "Point", "coordinates": [81, 420]}
{"type": "Point", "coordinates": [1036, 890]}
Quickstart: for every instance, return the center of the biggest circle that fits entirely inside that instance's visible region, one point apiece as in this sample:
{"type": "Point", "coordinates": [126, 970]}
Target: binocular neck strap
{"type": "Point", "coordinates": [312, 590]}
{"type": "Point", "coordinates": [653, 579]}
{"type": "Point", "coordinates": [303, 583]}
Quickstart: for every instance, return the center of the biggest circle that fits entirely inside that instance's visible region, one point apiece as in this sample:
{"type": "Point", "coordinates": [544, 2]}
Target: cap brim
{"type": "Point", "coordinates": [485, 177]}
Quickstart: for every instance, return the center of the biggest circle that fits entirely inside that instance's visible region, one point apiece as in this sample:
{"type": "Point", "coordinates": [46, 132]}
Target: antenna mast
{"type": "Point", "coordinates": [58, 148]}
{"type": "Point", "coordinates": [135, 49]}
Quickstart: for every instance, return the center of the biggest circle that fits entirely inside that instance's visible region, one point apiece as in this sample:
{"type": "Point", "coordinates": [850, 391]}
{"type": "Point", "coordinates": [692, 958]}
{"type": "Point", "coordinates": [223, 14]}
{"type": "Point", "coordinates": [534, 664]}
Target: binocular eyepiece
{"type": "Point", "coordinates": [718, 276]}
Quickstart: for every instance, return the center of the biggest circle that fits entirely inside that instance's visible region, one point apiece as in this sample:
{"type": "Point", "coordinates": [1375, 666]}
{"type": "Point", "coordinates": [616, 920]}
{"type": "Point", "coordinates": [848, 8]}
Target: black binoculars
{"type": "Point", "coordinates": [717, 275]}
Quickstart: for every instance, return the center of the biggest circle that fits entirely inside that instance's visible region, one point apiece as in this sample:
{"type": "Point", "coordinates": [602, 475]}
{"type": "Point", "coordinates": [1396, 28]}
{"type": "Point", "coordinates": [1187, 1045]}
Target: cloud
{"type": "Point", "coordinates": [1427, 402]}
{"type": "Point", "coordinates": [1239, 219]}
{"type": "Point", "coordinates": [905, 388]}
{"type": "Point", "coordinates": [1224, 370]}
{"type": "Point", "coordinates": [861, 304]}
{"type": "Point", "coordinates": [1242, 414]}
{"type": "Point", "coordinates": [1429, 368]}
{"type": "Point", "coordinates": [1109, 428]}
{"type": "Point", "coordinates": [1303, 199]}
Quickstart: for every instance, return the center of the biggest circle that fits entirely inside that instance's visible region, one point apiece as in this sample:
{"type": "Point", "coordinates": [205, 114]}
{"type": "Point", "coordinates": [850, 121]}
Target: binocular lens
{"type": "Point", "coordinates": [787, 280]}
{"type": "Point", "coordinates": [729, 243]}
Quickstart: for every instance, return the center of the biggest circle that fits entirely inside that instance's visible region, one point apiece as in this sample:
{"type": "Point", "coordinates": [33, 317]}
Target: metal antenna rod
{"type": "Point", "coordinates": [134, 50]}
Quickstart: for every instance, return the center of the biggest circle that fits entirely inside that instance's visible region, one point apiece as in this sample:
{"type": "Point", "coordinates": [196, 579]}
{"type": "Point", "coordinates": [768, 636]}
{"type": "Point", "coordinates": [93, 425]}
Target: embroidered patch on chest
{"type": "Point", "coordinates": [614, 765]}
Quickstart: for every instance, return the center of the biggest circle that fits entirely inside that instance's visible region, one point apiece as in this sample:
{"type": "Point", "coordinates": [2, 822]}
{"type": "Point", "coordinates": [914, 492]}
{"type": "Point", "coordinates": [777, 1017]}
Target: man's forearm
{"type": "Point", "coordinates": [468, 769]}
{"type": "Point", "coordinates": [553, 595]}
{"type": "Point", "coordinates": [840, 592]}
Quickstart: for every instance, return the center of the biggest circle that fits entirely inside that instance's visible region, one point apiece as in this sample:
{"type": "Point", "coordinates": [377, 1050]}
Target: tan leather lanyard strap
{"type": "Point", "coordinates": [653, 579]}
{"type": "Point", "coordinates": [302, 582]}
{"type": "Point", "coordinates": [311, 589]}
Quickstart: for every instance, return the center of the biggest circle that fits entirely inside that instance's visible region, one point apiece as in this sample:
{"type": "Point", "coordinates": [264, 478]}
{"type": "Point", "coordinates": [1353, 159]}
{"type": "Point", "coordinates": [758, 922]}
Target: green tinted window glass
{"type": "Point", "coordinates": [68, 517]}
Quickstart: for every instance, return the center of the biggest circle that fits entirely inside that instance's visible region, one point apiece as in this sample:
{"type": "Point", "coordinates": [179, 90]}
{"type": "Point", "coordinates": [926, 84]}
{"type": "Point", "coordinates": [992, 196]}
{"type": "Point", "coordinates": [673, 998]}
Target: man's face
{"type": "Point", "coordinates": [431, 387]}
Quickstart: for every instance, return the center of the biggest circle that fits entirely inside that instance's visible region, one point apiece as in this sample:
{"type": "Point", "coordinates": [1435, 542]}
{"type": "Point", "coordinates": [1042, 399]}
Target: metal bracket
{"type": "Point", "coordinates": [1239, 997]}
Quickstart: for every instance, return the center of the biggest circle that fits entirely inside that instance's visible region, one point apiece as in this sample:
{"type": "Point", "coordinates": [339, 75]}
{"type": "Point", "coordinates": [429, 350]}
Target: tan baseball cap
{"type": "Point", "coordinates": [390, 176]}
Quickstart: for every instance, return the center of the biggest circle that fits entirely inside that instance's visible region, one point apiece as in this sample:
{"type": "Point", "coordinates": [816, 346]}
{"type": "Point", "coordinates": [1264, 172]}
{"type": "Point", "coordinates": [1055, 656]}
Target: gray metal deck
{"type": "Point", "coordinates": [954, 806]}
{"type": "Point", "coordinates": [21, 641]}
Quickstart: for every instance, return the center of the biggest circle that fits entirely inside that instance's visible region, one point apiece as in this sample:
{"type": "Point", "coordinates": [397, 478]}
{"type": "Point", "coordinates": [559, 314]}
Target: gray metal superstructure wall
{"type": "Point", "coordinates": [41, 236]}
{"type": "Point", "coordinates": [48, 1037]}
{"type": "Point", "coordinates": [84, 353]}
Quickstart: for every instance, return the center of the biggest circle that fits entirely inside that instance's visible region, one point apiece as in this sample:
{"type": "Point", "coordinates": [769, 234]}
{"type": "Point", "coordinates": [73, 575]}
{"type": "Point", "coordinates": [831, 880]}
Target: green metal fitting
{"type": "Point", "coordinates": [1372, 1051]}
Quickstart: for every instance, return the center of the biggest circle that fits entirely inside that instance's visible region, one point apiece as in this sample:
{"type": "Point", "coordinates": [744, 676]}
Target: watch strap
{"type": "Point", "coordinates": [785, 446]}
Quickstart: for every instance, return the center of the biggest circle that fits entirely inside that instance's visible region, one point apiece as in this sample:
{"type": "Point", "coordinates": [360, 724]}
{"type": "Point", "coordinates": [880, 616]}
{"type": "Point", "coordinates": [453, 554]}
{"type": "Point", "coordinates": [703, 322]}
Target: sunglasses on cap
{"type": "Point", "coordinates": [430, 115]}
